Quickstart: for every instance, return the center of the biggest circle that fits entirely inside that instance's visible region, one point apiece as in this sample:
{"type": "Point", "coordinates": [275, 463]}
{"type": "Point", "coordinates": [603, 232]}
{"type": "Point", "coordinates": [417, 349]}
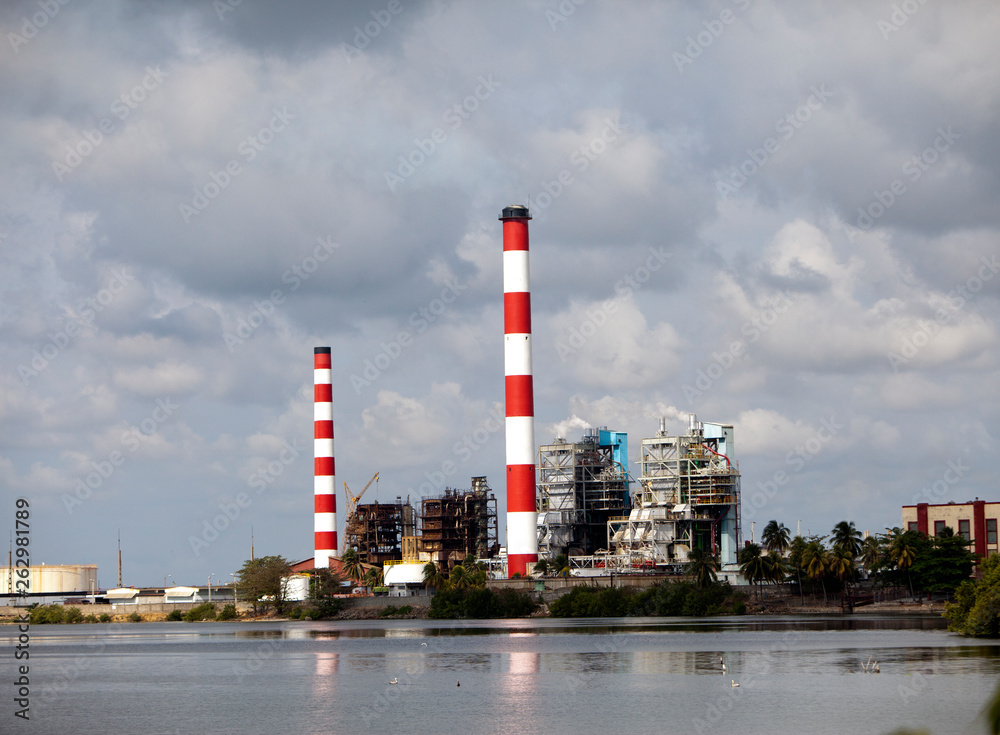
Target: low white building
{"type": "Point", "coordinates": [405, 579]}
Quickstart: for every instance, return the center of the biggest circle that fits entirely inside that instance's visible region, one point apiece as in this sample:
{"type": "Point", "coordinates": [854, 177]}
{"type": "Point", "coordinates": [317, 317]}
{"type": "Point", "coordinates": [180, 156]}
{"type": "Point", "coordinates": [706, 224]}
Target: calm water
{"type": "Point", "coordinates": [653, 675]}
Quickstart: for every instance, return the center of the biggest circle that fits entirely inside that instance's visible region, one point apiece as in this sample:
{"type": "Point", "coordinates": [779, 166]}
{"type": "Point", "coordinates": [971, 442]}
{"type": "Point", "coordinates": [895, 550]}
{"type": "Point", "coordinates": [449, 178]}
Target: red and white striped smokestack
{"type": "Point", "coordinates": [522, 511]}
{"type": "Point", "coordinates": [325, 500]}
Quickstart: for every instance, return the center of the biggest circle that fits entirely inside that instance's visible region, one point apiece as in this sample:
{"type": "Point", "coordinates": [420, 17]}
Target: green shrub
{"type": "Point", "coordinates": [313, 613]}
{"type": "Point", "coordinates": [228, 612]}
{"type": "Point", "coordinates": [90, 619]}
{"type": "Point", "coordinates": [204, 611]}
{"type": "Point", "coordinates": [175, 615]}
{"type": "Point", "coordinates": [104, 618]}
{"type": "Point", "coordinates": [296, 613]}
{"type": "Point", "coordinates": [72, 615]}
{"type": "Point", "coordinates": [135, 618]}
{"type": "Point", "coordinates": [663, 599]}
{"type": "Point", "coordinates": [45, 614]}
{"type": "Point", "coordinates": [480, 603]}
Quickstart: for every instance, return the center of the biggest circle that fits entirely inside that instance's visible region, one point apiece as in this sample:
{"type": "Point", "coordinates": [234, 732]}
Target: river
{"type": "Point", "coordinates": [624, 675]}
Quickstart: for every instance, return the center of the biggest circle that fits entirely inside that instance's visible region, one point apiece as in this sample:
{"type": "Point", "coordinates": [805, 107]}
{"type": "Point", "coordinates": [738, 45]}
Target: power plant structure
{"type": "Point", "coordinates": [574, 498]}
{"type": "Point", "coordinates": [581, 486]}
{"type": "Point", "coordinates": [522, 509]}
{"type": "Point", "coordinates": [688, 498]}
{"type": "Point", "coordinates": [458, 524]}
{"type": "Point", "coordinates": [376, 530]}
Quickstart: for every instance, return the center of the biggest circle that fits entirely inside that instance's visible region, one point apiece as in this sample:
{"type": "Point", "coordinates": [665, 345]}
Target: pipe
{"type": "Point", "coordinates": [324, 477]}
{"type": "Point", "coordinates": [522, 511]}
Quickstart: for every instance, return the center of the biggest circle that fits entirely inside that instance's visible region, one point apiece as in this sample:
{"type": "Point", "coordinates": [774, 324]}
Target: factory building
{"type": "Point", "coordinates": [376, 530]}
{"type": "Point", "coordinates": [581, 486]}
{"type": "Point", "coordinates": [975, 520]}
{"type": "Point", "coordinates": [688, 498]}
{"type": "Point", "coordinates": [459, 523]}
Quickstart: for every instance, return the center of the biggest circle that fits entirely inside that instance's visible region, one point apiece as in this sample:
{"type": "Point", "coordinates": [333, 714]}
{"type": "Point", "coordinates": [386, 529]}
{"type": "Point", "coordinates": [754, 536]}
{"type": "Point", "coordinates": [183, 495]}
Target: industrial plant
{"type": "Point", "coordinates": [573, 498]}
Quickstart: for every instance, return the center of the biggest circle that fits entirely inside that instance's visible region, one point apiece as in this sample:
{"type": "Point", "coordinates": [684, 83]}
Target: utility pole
{"type": "Point", "coordinates": [119, 558]}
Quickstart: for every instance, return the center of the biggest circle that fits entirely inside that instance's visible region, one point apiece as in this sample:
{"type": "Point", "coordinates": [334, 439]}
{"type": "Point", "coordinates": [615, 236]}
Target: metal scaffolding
{"type": "Point", "coordinates": [460, 523]}
{"type": "Point", "coordinates": [376, 530]}
{"type": "Point", "coordinates": [689, 498]}
{"type": "Point", "coordinates": [581, 487]}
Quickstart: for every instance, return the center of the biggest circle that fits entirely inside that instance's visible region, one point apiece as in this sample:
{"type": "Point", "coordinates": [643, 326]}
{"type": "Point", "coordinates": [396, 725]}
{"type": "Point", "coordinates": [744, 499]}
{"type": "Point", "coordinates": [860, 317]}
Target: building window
{"type": "Point", "coordinates": [963, 529]}
{"type": "Point", "coordinates": [938, 527]}
{"type": "Point", "coordinates": [991, 530]}
{"type": "Point", "coordinates": [912, 526]}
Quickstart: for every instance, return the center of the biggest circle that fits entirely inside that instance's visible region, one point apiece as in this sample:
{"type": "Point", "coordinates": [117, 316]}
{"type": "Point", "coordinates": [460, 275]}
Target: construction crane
{"type": "Point", "coordinates": [352, 500]}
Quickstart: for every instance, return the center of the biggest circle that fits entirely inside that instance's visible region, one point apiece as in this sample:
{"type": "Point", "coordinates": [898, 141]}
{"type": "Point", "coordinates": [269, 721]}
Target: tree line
{"type": "Point", "coordinates": [842, 561]}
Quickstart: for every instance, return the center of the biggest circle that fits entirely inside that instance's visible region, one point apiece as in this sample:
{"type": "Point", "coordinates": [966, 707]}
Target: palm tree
{"type": "Point", "coordinates": [775, 537]}
{"type": "Point", "coordinates": [562, 565]}
{"type": "Point", "coordinates": [775, 566]}
{"type": "Point", "coordinates": [796, 555]}
{"type": "Point", "coordinates": [902, 554]}
{"type": "Point", "coordinates": [459, 577]}
{"type": "Point", "coordinates": [373, 577]}
{"type": "Point", "coordinates": [814, 562]}
{"type": "Point", "coordinates": [702, 565]}
{"type": "Point", "coordinates": [752, 566]}
{"type": "Point", "coordinates": [351, 566]}
{"type": "Point", "coordinates": [433, 577]}
{"type": "Point", "coordinates": [846, 536]}
{"type": "Point", "coordinates": [541, 567]}
{"type": "Point", "coordinates": [871, 552]}
{"type": "Point", "coordinates": [841, 564]}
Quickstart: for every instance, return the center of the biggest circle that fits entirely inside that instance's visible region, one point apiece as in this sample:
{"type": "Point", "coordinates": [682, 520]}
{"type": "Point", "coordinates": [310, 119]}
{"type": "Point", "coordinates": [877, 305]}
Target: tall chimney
{"type": "Point", "coordinates": [522, 511]}
{"type": "Point", "coordinates": [325, 500]}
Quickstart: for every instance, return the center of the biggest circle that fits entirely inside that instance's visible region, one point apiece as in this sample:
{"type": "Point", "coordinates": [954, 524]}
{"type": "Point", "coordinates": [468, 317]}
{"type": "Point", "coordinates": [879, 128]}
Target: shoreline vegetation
{"type": "Point", "coordinates": [639, 602]}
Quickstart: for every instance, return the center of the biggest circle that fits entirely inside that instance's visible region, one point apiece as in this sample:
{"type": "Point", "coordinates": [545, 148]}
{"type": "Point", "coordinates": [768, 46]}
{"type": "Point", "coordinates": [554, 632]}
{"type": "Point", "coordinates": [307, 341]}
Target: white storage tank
{"type": "Point", "coordinates": [54, 580]}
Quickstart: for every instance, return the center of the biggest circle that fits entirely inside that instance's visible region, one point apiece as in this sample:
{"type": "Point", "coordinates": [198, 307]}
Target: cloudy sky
{"type": "Point", "coordinates": [780, 215]}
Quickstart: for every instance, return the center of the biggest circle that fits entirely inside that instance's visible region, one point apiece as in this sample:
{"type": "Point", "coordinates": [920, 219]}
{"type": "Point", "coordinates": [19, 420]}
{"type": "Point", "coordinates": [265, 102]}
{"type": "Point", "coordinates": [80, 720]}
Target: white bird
{"type": "Point", "coordinates": [723, 668]}
{"type": "Point", "coordinates": [423, 644]}
{"type": "Point", "coordinates": [394, 681]}
{"type": "Point", "coordinates": [734, 682]}
{"type": "Point", "coordinates": [876, 670]}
